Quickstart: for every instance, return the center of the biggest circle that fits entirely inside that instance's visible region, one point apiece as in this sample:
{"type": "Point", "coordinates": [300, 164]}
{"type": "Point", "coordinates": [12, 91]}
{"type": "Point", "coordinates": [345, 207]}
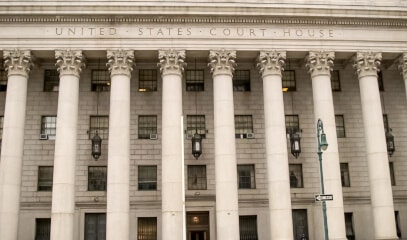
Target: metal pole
{"type": "Point", "coordinates": [320, 127]}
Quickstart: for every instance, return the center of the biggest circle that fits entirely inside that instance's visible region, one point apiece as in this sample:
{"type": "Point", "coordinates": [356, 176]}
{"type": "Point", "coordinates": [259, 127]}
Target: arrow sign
{"type": "Point", "coordinates": [324, 197]}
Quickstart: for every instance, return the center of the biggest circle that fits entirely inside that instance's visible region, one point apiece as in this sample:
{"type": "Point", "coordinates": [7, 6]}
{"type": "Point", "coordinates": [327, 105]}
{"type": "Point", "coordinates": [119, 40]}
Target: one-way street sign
{"type": "Point", "coordinates": [324, 197]}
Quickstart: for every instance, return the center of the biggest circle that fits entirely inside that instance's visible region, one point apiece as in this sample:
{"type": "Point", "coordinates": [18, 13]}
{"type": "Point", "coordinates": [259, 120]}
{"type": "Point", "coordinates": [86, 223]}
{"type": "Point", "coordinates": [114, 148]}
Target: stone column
{"type": "Point", "coordinates": [227, 216]}
{"type": "Point", "coordinates": [366, 64]}
{"type": "Point", "coordinates": [70, 64]}
{"type": "Point", "coordinates": [281, 225]}
{"type": "Point", "coordinates": [120, 64]}
{"type": "Point", "coordinates": [320, 65]}
{"type": "Point", "coordinates": [403, 68]}
{"type": "Point", "coordinates": [18, 65]}
{"type": "Point", "coordinates": [171, 66]}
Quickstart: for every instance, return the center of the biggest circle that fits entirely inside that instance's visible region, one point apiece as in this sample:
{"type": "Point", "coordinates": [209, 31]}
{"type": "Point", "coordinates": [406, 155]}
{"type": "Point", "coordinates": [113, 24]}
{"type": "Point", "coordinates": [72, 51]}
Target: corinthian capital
{"type": "Point", "coordinates": [69, 62]}
{"type": "Point", "coordinates": [18, 62]}
{"type": "Point", "coordinates": [222, 62]}
{"type": "Point", "coordinates": [271, 62]}
{"type": "Point", "coordinates": [320, 62]}
{"type": "Point", "coordinates": [367, 63]}
{"type": "Point", "coordinates": [403, 65]}
{"type": "Point", "coordinates": [171, 61]}
{"type": "Point", "coordinates": [120, 62]}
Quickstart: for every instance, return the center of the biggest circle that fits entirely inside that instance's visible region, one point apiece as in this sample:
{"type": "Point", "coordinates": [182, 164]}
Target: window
{"type": "Point", "coordinates": [1, 126]}
{"type": "Point", "coordinates": [49, 126]}
{"type": "Point", "coordinates": [397, 216]}
{"type": "Point", "coordinates": [345, 180]}
{"type": "Point", "coordinates": [42, 228]}
{"type": "Point", "coordinates": [386, 123]}
{"type": "Point", "coordinates": [292, 123]}
{"type": "Point", "coordinates": [248, 227]}
{"type": "Point", "coordinates": [97, 177]}
{"type": "Point", "coordinates": [246, 176]}
{"type": "Point", "coordinates": [350, 233]}
{"type": "Point", "coordinates": [196, 177]}
{"type": "Point", "coordinates": [100, 80]}
{"type": "Point", "coordinates": [288, 80]}
{"type": "Point", "coordinates": [51, 80]}
{"type": "Point", "coordinates": [296, 176]}
{"type": "Point", "coordinates": [147, 178]}
{"type": "Point", "coordinates": [95, 226]}
{"type": "Point", "coordinates": [194, 80]}
{"type": "Point", "coordinates": [99, 124]}
{"type": "Point", "coordinates": [45, 177]}
{"type": "Point", "coordinates": [196, 123]}
{"type": "Point", "coordinates": [300, 223]}
{"type": "Point", "coordinates": [392, 177]}
{"type": "Point", "coordinates": [241, 81]}
{"type": "Point", "coordinates": [340, 126]}
{"type": "Point", "coordinates": [147, 228]}
{"type": "Point", "coordinates": [147, 125]}
{"type": "Point", "coordinates": [243, 126]}
{"type": "Point", "coordinates": [147, 80]}
{"type": "Point", "coordinates": [380, 80]}
{"type": "Point", "coordinates": [3, 80]}
{"type": "Point", "coordinates": [335, 81]}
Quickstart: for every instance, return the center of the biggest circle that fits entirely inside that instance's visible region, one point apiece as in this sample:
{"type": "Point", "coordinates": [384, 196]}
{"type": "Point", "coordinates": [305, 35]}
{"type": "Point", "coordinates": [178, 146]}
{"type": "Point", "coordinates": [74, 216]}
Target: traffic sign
{"type": "Point", "coordinates": [324, 197]}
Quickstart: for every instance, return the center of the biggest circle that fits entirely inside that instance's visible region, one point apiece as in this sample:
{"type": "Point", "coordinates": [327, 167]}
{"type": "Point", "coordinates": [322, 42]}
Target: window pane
{"type": "Point", "coordinates": [196, 177]}
{"type": "Point", "coordinates": [97, 177]}
{"type": "Point", "coordinates": [95, 226]}
{"type": "Point", "coordinates": [340, 126]}
{"type": "Point", "coordinates": [147, 125]}
{"type": "Point", "coordinates": [49, 125]}
{"type": "Point", "coordinates": [100, 80]}
{"type": "Point", "coordinates": [300, 223]}
{"type": "Point", "coordinates": [345, 175]}
{"type": "Point", "coordinates": [45, 177]}
{"type": "Point", "coordinates": [288, 80]}
{"type": "Point", "coordinates": [51, 80]}
{"type": "Point", "coordinates": [246, 176]}
{"type": "Point", "coordinates": [3, 80]}
{"type": "Point", "coordinates": [147, 178]}
{"type": "Point", "coordinates": [194, 80]}
{"type": "Point", "coordinates": [397, 216]}
{"type": "Point", "coordinates": [243, 125]}
{"type": "Point", "coordinates": [296, 176]}
{"type": "Point", "coordinates": [241, 80]}
{"type": "Point", "coordinates": [335, 81]}
{"type": "Point", "coordinates": [248, 227]}
{"type": "Point", "coordinates": [380, 80]}
{"type": "Point", "coordinates": [196, 123]}
{"type": "Point", "coordinates": [99, 124]}
{"type": "Point", "coordinates": [350, 233]}
{"type": "Point", "coordinates": [147, 228]}
{"type": "Point", "coordinates": [392, 177]}
{"type": "Point", "coordinates": [385, 123]}
{"type": "Point", "coordinates": [292, 123]}
{"type": "Point", "coordinates": [147, 80]}
{"type": "Point", "coordinates": [42, 228]}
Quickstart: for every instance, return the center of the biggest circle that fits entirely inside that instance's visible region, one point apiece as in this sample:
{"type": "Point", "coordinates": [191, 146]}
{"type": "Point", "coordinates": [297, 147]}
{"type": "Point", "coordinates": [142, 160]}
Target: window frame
{"type": "Point", "coordinates": [51, 80]}
{"type": "Point", "coordinates": [200, 177]}
{"type": "Point", "coordinates": [145, 127]}
{"type": "Point", "coordinates": [241, 80]}
{"type": "Point", "coordinates": [349, 222]}
{"type": "Point", "coordinates": [243, 126]}
{"type": "Point", "coordinates": [151, 232]}
{"type": "Point", "coordinates": [103, 129]}
{"type": "Point", "coordinates": [340, 126]}
{"type": "Point", "coordinates": [336, 81]}
{"type": "Point", "coordinates": [392, 174]}
{"type": "Point", "coordinates": [242, 179]}
{"type": "Point", "coordinates": [99, 179]}
{"type": "Point", "coordinates": [44, 183]}
{"type": "Point", "coordinates": [248, 227]}
{"type": "Point", "coordinates": [100, 219]}
{"type": "Point", "coordinates": [148, 80]}
{"type": "Point", "coordinates": [1, 126]}
{"type": "Point", "coordinates": [144, 184]}
{"type": "Point", "coordinates": [42, 232]}
{"type": "Point", "coordinates": [288, 80]}
{"type": "Point", "coordinates": [196, 123]}
{"type": "Point", "coordinates": [3, 80]}
{"type": "Point", "coordinates": [292, 123]}
{"type": "Point", "coordinates": [49, 131]}
{"type": "Point", "coordinates": [99, 82]}
{"type": "Point", "coordinates": [380, 81]}
{"type": "Point", "coordinates": [292, 173]}
{"type": "Point", "coordinates": [297, 226]}
{"type": "Point", "coordinates": [195, 83]}
{"type": "Point", "coordinates": [345, 175]}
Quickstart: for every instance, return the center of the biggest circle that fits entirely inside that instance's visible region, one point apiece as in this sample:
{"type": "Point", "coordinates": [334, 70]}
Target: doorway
{"type": "Point", "coordinates": [198, 225]}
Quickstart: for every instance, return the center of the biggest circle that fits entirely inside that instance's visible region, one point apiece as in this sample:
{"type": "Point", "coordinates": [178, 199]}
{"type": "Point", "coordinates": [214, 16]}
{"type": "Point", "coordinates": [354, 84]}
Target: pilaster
{"type": "Point", "coordinates": [367, 63]}
{"type": "Point", "coordinates": [69, 62]}
{"type": "Point", "coordinates": [120, 62]}
{"type": "Point", "coordinates": [271, 62]}
{"type": "Point", "coordinates": [320, 62]}
{"type": "Point", "coordinates": [18, 62]}
{"type": "Point", "coordinates": [222, 62]}
{"type": "Point", "coordinates": [171, 62]}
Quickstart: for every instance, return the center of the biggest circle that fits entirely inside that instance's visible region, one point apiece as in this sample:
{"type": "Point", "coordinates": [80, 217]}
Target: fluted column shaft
{"type": "Point", "coordinates": [376, 152]}
{"type": "Point", "coordinates": [172, 66]}
{"type": "Point", "coordinates": [69, 65]}
{"type": "Point", "coordinates": [18, 65]}
{"type": "Point", "coordinates": [320, 66]}
{"type": "Point", "coordinates": [120, 64]}
{"type": "Point", "coordinates": [227, 215]}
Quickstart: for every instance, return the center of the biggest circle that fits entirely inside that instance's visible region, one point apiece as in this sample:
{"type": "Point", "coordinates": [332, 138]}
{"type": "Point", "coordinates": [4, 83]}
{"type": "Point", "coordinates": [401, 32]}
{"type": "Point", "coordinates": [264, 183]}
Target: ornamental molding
{"type": "Point", "coordinates": [403, 65]}
{"type": "Point", "coordinates": [320, 63]}
{"type": "Point", "coordinates": [120, 62]}
{"type": "Point", "coordinates": [222, 62]}
{"type": "Point", "coordinates": [171, 61]}
{"type": "Point", "coordinates": [69, 62]}
{"type": "Point", "coordinates": [18, 62]}
{"type": "Point", "coordinates": [271, 62]}
{"type": "Point", "coordinates": [367, 63]}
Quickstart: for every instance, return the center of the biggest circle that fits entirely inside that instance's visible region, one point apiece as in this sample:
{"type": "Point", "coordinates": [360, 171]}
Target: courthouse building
{"type": "Point", "coordinates": [212, 117]}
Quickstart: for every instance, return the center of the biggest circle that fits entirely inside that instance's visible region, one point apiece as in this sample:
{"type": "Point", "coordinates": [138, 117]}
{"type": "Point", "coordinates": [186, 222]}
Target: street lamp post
{"type": "Point", "coordinates": [322, 146]}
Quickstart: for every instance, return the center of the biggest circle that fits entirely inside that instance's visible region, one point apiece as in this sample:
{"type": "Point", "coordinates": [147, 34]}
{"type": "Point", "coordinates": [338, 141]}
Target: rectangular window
{"type": "Point", "coordinates": [335, 81]}
{"type": "Point", "coordinates": [345, 179]}
{"type": "Point", "coordinates": [296, 180]}
{"type": "Point", "coordinates": [398, 229]}
{"type": "Point", "coordinates": [246, 176]}
{"type": "Point", "coordinates": [241, 81]}
{"type": "Point", "coordinates": [194, 80]}
{"type": "Point", "coordinates": [288, 80]}
{"type": "Point", "coordinates": [95, 226]}
{"type": "Point", "coordinates": [386, 123]}
{"type": "Point", "coordinates": [1, 126]}
{"type": "Point", "coordinates": [100, 80]}
{"type": "Point", "coordinates": [147, 126]}
{"type": "Point", "coordinates": [147, 80]}
{"type": "Point", "coordinates": [392, 177]}
{"type": "Point", "coordinates": [292, 123]}
{"type": "Point", "coordinates": [49, 126]}
{"type": "Point", "coordinates": [350, 233]}
{"type": "Point", "coordinates": [42, 228]}
{"type": "Point", "coordinates": [196, 123]}
{"type": "Point", "coordinates": [300, 223]}
{"type": "Point", "coordinates": [340, 126]}
{"type": "Point", "coordinates": [3, 80]}
{"type": "Point", "coordinates": [45, 177]}
{"type": "Point", "coordinates": [147, 228]}
{"type": "Point", "coordinates": [51, 80]}
{"type": "Point", "coordinates": [99, 124]}
{"type": "Point", "coordinates": [248, 227]}
{"type": "Point", "coordinates": [243, 126]}
{"type": "Point", "coordinates": [147, 177]}
{"type": "Point", "coordinates": [196, 177]}
{"type": "Point", "coordinates": [97, 178]}
{"type": "Point", "coordinates": [380, 80]}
